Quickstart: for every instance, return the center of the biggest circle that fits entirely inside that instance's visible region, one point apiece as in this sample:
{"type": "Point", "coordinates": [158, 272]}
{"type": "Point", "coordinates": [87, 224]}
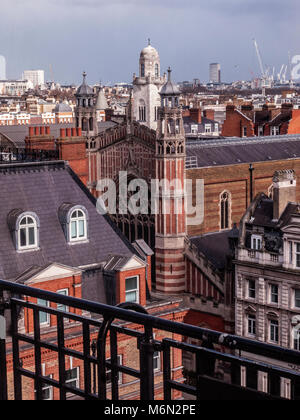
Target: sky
{"type": "Point", "coordinates": [105, 37]}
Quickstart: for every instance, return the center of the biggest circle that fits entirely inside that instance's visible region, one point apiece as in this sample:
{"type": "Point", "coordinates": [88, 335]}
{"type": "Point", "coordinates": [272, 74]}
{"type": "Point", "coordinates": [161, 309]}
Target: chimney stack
{"type": "Point", "coordinates": [195, 115]}
{"type": "Point", "coordinates": [284, 191]}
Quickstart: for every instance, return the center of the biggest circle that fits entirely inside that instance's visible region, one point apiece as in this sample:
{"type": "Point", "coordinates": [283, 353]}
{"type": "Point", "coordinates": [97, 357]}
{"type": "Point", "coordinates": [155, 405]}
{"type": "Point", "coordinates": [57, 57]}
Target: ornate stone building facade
{"type": "Point", "coordinates": [146, 88]}
{"type": "Point", "coordinates": [267, 271]}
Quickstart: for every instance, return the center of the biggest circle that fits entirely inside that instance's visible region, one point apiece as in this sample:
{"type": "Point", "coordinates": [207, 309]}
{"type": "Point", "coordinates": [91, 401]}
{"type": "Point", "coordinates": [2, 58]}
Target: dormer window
{"type": "Point", "coordinates": [74, 221]}
{"type": "Point", "coordinates": [78, 226]}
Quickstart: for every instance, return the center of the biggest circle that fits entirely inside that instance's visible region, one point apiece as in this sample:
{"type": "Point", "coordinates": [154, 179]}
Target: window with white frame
{"type": "Point", "coordinates": [78, 226]}
{"type": "Point", "coordinates": [251, 289]}
{"type": "Point", "coordinates": [47, 390]}
{"type": "Point", "coordinates": [260, 130]}
{"type": "Point", "coordinates": [27, 233]}
{"type": "Point", "coordinates": [72, 377]}
{"type": "Point", "coordinates": [156, 360]}
{"type": "Point", "coordinates": [207, 128]}
{"type": "Point", "coordinates": [297, 298]}
{"type": "Point", "coordinates": [256, 242]}
{"type": "Point", "coordinates": [44, 317]}
{"type": "Point", "coordinates": [194, 129]}
{"type": "Point", "coordinates": [244, 131]}
{"type": "Point", "coordinates": [274, 293]}
{"type": "Point", "coordinates": [109, 372]}
{"type": "Point", "coordinates": [296, 336]}
{"type": "Point", "coordinates": [251, 325]}
{"type": "Point", "coordinates": [132, 289]}
{"type": "Point", "coordinates": [61, 306]}
{"type": "Point", "coordinates": [274, 331]}
{"type": "Point", "coordinates": [275, 131]}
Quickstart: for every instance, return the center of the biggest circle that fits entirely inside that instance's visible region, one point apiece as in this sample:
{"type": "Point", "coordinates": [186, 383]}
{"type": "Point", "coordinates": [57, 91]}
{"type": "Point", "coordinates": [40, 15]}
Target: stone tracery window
{"type": "Point", "coordinates": [225, 209]}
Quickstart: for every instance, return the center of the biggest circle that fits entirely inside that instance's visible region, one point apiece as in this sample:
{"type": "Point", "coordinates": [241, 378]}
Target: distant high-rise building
{"type": "Point", "coordinates": [2, 68]}
{"type": "Point", "coordinates": [215, 73]}
{"type": "Point", "coordinates": [36, 77]}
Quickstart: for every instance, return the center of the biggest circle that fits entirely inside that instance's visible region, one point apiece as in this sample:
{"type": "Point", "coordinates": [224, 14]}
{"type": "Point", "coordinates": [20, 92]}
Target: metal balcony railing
{"type": "Point", "coordinates": [215, 352]}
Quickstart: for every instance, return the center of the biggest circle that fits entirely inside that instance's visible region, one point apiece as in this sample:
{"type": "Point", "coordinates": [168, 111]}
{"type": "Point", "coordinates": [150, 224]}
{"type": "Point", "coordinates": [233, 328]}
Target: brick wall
{"type": "Point", "coordinates": [235, 122]}
{"type": "Point", "coordinates": [236, 180]}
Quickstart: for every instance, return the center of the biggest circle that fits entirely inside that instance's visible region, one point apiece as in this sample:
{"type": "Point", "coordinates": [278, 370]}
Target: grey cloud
{"type": "Point", "coordinates": [104, 37]}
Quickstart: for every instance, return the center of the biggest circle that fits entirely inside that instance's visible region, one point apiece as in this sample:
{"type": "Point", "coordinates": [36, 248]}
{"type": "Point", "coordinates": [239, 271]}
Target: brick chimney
{"type": "Point", "coordinates": [39, 138]}
{"type": "Point", "coordinates": [209, 113]}
{"type": "Point", "coordinates": [72, 148]}
{"type": "Point", "coordinates": [195, 115]}
{"type": "Point", "coordinates": [247, 109]}
{"type": "Point", "coordinates": [284, 191]}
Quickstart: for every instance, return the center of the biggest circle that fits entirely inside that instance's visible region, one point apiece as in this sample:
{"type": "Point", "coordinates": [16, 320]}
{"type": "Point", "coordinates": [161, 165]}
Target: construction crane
{"type": "Point", "coordinates": [280, 73]}
{"type": "Point", "coordinates": [284, 73]}
{"type": "Point", "coordinates": [262, 70]}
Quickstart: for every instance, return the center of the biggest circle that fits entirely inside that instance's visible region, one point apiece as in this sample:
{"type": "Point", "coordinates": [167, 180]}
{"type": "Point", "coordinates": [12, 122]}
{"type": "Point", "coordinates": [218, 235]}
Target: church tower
{"type": "Point", "coordinates": [171, 219]}
{"type": "Point", "coordinates": [146, 87]}
{"type": "Point", "coordinates": [85, 111]}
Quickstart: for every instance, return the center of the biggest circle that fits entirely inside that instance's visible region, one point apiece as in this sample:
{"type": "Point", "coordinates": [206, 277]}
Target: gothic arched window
{"type": "Point", "coordinates": [142, 70]}
{"type": "Point", "coordinates": [84, 124]}
{"type": "Point", "coordinates": [225, 207]}
{"type": "Point", "coordinates": [156, 70]}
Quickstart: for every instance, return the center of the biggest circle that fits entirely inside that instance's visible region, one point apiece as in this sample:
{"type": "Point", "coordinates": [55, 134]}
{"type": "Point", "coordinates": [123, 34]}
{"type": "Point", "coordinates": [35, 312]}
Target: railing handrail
{"type": "Point", "coordinates": [150, 321]}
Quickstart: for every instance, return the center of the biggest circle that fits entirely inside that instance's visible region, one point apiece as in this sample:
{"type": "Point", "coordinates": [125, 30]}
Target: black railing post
{"type": "Point", "coordinates": [147, 350]}
{"type": "Point", "coordinates": [3, 369]}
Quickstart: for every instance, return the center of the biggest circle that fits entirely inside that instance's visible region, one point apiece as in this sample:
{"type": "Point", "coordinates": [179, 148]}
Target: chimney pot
{"type": "Point", "coordinates": [284, 191]}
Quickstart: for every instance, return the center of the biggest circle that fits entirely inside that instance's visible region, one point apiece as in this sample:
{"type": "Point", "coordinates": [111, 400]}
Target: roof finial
{"type": "Point", "coordinates": [84, 76]}
{"type": "Point", "coordinates": [149, 41]}
{"type": "Point", "coordinates": [169, 74]}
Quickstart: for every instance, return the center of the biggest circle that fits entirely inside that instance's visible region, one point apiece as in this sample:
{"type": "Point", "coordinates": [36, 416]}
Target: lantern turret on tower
{"type": "Point", "coordinates": [85, 111]}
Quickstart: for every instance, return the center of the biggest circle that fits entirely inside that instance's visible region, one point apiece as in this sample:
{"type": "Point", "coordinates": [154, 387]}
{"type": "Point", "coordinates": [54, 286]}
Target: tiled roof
{"type": "Point", "coordinates": [42, 188]}
{"type": "Point", "coordinates": [215, 247]}
{"type": "Point", "coordinates": [17, 133]}
{"type": "Point", "coordinates": [230, 151]}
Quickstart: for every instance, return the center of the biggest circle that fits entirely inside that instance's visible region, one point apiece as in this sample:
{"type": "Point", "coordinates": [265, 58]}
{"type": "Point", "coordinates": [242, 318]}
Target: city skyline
{"type": "Point", "coordinates": [105, 39]}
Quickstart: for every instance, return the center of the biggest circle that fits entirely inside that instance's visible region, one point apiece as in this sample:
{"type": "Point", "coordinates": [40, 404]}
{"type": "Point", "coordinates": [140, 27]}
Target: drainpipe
{"type": "Point", "coordinates": [251, 169]}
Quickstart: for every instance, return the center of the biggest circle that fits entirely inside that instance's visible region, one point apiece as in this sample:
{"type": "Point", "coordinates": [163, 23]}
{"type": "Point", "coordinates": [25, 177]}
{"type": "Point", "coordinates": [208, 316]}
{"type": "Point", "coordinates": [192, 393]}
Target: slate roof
{"type": "Point", "coordinates": [62, 107]}
{"type": "Point", "coordinates": [105, 125]}
{"type": "Point", "coordinates": [42, 188]}
{"type": "Point", "coordinates": [17, 133]}
{"type": "Point", "coordinates": [215, 247]}
{"type": "Point", "coordinates": [263, 214]}
{"type": "Point", "coordinates": [230, 151]}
